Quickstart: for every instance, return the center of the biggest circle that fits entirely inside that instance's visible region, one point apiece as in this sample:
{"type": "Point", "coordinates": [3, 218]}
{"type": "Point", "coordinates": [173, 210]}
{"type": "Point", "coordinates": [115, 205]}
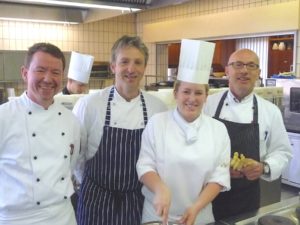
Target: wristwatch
{"type": "Point", "coordinates": [266, 168]}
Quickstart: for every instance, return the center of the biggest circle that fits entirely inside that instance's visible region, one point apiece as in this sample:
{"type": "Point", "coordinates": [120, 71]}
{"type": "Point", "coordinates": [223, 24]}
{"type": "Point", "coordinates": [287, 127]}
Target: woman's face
{"type": "Point", "coordinates": [190, 98]}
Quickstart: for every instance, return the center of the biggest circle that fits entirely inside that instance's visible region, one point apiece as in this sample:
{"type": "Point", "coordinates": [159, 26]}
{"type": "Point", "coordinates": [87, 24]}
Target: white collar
{"type": "Point", "coordinates": [189, 129]}
{"type": "Point", "coordinates": [246, 99]}
{"type": "Point", "coordinates": [119, 98]}
{"type": "Point", "coordinates": [31, 105]}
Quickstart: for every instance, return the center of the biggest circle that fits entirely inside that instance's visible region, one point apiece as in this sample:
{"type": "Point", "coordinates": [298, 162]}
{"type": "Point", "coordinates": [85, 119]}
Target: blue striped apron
{"type": "Point", "coordinates": [110, 191]}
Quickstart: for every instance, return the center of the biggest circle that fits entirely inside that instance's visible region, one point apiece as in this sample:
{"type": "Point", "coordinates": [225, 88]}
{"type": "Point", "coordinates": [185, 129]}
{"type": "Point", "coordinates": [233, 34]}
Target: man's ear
{"type": "Point", "coordinates": [112, 67]}
{"type": "Point", "coordinates": [24, 72]}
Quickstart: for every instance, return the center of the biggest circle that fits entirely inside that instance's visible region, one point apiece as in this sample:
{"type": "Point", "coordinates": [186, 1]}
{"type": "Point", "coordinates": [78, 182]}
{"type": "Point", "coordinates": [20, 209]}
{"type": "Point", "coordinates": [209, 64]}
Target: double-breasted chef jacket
{"type": "Point", "coordinates": [38, 150]}
{"type": "Point", "coordinates": [274, 145]}
{"type": "Point", "coordinates": [184, 167]}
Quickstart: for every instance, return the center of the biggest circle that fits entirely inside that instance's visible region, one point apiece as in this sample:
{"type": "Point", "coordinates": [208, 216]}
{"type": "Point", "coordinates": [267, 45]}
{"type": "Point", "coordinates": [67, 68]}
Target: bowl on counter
{"type": "Point", "coordinates": [218, 74]}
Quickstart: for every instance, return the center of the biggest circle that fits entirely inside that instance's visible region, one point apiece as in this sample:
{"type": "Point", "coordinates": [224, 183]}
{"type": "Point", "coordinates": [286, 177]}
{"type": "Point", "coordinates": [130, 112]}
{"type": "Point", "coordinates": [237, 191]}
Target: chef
{"type": "Point", "coordinates": [114, 119]}
{"type": "Point", "coordinates": [184, 158]}
{"type": "Point", "coordinates": [256, 130]}
{"type": "Point", "coordinates": [79, 73]}
{"type": "Point", "coordinates": [39, 146]}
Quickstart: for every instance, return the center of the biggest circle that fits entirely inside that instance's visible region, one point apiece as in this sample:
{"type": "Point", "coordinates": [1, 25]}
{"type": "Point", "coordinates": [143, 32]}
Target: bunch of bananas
{"type": "Point", "coordinates": [239, 161]}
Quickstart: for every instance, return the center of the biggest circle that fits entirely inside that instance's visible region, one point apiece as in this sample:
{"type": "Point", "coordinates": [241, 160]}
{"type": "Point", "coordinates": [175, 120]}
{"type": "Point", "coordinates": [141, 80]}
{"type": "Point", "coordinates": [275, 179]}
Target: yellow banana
{"type": "Point", "coordinates": [239, 161]}
{"type": "Point", "coordinates": [234, 159]}
{"type": "Point", "coordinates": [236, 164]}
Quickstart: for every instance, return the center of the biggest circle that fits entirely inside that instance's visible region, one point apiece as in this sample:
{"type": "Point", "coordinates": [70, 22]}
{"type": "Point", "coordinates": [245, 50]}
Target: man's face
{"type": "Point", "coordinates": [43, 78]}
{"type": "Point", "coordinates": [129, 67]}
{"type": "Point", "coordinates": [242, 77]}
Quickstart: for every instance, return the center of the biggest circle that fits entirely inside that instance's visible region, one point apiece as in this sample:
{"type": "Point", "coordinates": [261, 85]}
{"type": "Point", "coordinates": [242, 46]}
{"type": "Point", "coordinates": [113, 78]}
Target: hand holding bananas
{"type": "Point", "coordinates": [247, 167]}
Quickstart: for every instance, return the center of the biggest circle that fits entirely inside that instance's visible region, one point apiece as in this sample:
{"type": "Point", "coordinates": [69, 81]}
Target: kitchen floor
{"type": "Point", "coordinates": [288, 191]}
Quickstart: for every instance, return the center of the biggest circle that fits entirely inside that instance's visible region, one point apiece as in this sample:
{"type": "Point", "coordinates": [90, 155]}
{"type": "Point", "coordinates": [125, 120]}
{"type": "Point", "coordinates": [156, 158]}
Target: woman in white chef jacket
{"type": "Point", "coordinates": [185, 155]}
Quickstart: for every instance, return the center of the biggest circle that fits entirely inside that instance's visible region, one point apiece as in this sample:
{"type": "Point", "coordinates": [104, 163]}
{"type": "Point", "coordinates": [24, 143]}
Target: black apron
{"type": "Point", "coordinates": [110, 191]}
{"type": "Point", "coordinates": [244, 195]}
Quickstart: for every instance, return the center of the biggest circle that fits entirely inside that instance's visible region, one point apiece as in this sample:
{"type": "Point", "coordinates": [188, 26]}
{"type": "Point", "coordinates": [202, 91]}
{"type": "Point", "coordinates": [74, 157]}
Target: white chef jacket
{"type": "Point", "coordinates": [91, 111]}
{"type": "Point", "coordinates": [274, 145]}
{"type": "Point", "coordinates": [38, 149]}
{"type": "Point", "coordinates": [184, 168]}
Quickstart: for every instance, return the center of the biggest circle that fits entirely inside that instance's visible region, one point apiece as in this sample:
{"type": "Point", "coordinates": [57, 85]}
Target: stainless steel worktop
{"type": "Point", "coordinates": [285, 208]}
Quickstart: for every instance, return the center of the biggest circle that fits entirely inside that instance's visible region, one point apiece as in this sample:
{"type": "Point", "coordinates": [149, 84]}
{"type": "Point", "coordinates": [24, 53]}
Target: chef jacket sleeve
{"type": "Point", "coordinates": [79, 111]}
{"type": "Point", "coordinates": [146, 160]}
{"type": "Point", "coordinates": [277, 147]}
{"type": "Point", "coordinates": [221, 174]}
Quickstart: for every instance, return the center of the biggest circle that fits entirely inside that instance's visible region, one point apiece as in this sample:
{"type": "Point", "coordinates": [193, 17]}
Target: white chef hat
{"type": "Point", "coordinates": [195, 61]}
{"type": "Point", "coordinates": [80, 67]}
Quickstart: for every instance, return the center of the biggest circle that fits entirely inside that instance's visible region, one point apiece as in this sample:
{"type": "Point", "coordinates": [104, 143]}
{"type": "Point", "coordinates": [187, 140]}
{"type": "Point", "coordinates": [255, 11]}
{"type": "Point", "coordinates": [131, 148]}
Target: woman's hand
{"type": "Point", "coordinates": [162, 201]}
{"type": "Point", "coordinates": [189, 216]}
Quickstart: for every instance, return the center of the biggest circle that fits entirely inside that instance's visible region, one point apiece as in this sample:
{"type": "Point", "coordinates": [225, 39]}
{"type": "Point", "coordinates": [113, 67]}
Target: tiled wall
{"type": "Point", "coordinates": [158, 59]}
{"type": "Point", "coordinates": [96, 38]}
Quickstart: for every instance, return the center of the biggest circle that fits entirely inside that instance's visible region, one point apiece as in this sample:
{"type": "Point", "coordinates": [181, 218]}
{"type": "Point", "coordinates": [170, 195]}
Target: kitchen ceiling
{"type": "Point", "coordinates": [51, 10]}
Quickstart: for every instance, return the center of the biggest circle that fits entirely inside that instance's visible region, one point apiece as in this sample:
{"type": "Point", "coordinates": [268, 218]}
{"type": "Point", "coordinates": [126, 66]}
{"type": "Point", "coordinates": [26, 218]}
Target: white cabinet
{"type": "Point", "coordinates": [291, 175]}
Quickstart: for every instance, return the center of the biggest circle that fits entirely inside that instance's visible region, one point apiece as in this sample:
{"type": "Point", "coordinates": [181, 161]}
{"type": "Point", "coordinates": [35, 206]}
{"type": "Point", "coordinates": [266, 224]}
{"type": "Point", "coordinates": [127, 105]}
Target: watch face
{"type": "Point", "coordinates": [266, 168]}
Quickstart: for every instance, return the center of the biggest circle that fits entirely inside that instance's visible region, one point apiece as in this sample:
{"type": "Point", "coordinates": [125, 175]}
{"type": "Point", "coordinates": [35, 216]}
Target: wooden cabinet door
{"type": "Point", "coordinates": [173, 55]}
{"type": "Point", "coordinates": [280, 61]}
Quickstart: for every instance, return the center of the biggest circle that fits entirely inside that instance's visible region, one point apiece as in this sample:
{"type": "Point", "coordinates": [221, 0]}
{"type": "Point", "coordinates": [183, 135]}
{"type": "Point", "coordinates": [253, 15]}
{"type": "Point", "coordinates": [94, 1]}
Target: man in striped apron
{"type": "Point", "coordinates": [115, 117]}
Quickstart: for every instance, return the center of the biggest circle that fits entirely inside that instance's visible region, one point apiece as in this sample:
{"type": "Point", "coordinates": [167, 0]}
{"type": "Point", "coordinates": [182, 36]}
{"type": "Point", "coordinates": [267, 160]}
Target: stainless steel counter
{"type": "Point", "coordinates": [285, 208]}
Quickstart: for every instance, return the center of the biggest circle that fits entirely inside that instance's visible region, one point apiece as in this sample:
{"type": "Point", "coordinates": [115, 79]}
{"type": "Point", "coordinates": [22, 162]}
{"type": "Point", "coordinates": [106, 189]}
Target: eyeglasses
{"type": "Point", "coordinates": [240, 65]}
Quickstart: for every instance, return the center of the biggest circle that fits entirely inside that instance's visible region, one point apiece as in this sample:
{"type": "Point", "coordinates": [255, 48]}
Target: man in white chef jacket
{"type": "Point", "coordinates": [256, 130]}
{"type": "Point", "coordinates": [79, 73]}
{"type": "Point", "coordinates": [185, 155]}
{"type": "Point", "coordinates": [39, 146]}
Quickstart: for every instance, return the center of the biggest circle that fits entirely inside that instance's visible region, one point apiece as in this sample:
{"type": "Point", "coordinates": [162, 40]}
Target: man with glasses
{"type": "Point", "coordinates": [256, 130]}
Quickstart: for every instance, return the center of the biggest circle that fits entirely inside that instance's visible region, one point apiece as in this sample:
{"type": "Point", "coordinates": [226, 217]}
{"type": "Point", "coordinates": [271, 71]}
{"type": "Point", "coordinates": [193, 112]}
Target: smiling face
{"type": "Point", "coordinates": [190, 98]}
{"type": "Point", "coordinates": [242, 81]}
{"type": "Point", "coordinates": [43, 77]}
{"type": "Point", "coordinates": [129, 68]}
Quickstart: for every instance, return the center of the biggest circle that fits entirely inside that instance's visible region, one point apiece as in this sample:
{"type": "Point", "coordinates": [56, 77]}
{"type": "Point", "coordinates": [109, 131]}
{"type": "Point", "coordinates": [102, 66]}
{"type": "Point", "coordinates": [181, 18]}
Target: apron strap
{"type": "Point", "coordinates": [221, 103]}
{"type": "Point", "coordinates": [144, 109]}
{"type": "Point", "coordinates": [255, 110]}
{"type": "Point", "coordinates": [108, 108]}
{"type": "Point", "coordinates": [110, 98]}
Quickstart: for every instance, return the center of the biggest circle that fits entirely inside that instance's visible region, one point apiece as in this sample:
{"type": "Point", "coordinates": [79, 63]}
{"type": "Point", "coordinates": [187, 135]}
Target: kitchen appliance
{"type": "Point", "coordinates": [290, 103]}
{"type": "Point", "coordinates": [291, 116]}
{"type": "Point", "coordinates": [172, 74]}
{"type": "Point", "coordinates": [291, 175]}
{"type": "Point", "coordinates": [101, 70]}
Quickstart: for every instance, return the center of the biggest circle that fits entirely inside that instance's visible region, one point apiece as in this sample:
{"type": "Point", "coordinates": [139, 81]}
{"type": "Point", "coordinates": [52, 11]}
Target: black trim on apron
{"type": "Point", "coordinates": [244, 195]}
{"type": "Point", "coordinates": [110, 191]}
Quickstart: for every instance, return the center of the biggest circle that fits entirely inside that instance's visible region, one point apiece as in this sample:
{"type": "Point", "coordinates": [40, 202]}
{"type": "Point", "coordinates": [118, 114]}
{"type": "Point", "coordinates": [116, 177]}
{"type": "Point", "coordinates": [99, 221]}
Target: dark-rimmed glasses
{"type": "Point", "coordinates": [240, 65]}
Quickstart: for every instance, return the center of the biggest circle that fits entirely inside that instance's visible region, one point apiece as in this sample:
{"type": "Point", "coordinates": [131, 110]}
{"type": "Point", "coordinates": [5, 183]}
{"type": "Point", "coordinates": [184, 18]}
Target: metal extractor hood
{"type": "Point", "coordinates": [75, 11]}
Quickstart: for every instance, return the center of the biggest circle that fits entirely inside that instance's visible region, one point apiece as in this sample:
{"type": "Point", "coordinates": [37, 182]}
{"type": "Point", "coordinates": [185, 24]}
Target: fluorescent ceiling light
{"type": "Point", "coordinates": [37, 21]}
{"type": "Point", "coordinates": [83, 5]}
